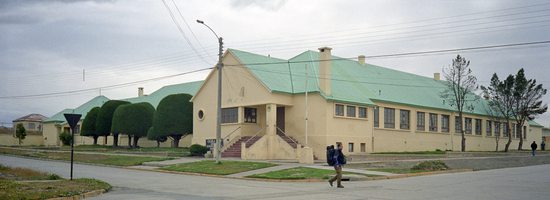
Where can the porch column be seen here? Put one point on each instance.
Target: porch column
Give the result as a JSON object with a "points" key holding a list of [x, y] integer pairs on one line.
{"points": [[271, 119]]}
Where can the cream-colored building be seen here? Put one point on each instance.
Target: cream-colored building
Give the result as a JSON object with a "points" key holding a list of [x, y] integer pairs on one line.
{"points": [[365, 107], [31, 122], [57, 124]]}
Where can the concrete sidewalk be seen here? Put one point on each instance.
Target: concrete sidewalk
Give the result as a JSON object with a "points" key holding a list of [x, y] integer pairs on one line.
{"points": [[359, 171]]}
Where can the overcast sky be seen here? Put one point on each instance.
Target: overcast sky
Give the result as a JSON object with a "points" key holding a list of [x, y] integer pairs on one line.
{"points": [[46, 45]]}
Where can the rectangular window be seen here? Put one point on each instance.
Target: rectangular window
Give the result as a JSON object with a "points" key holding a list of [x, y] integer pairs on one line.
{"points": [[339, 110], [433, 122], [376, 116], [362, 112], [468, 125], [389, 118], [250, 115], [458, 125], [350, 147], [350, 111], [445, 123], [497, 129], [488, 127], [478, 126], [230, 115], [31, 126], [420, 121], [363, 147], [404, 119]]}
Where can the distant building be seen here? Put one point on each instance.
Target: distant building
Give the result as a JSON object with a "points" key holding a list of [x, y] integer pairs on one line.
{"points": [[31, 122]]}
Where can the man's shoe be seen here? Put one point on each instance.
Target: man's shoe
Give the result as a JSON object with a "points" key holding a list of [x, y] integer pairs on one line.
{"points": [[330, 183], [340, 186]]}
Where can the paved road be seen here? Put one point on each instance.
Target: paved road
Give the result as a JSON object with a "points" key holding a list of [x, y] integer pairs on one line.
{"points": [[512, 183]]}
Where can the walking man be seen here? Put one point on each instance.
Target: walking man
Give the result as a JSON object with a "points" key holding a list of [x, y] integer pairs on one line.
{"points": [[533, 147], [339, 160]]}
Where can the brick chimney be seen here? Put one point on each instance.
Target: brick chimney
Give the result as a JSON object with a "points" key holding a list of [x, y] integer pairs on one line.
{"points": [[325, 69], [361, 59], [140, 91], [437, 76]]}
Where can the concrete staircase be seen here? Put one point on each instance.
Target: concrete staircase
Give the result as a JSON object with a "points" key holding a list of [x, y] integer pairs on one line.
{"points": [[290, 140], [235, 149]]}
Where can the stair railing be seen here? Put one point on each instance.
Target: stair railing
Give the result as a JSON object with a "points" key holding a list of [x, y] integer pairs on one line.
{"points": [[284, 134], [229, 142], [257, 132]]}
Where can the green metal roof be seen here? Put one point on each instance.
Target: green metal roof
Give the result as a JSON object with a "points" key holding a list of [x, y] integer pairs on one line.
{"points": [[351, 82], [82, 109], [534, 123], [155, 97]]}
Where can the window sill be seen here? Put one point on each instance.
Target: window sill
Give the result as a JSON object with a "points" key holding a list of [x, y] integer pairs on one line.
{"points": [[355, 118], [392, 129]]}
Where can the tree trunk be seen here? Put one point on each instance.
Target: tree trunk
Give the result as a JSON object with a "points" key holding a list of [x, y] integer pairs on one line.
{"points": [[129, 141], [95, 139], [105, 142], [509, 137], [176, 141], [520, 135], [497, 140], [136, 138], [463, 144], [158, 144], [115, 139]]}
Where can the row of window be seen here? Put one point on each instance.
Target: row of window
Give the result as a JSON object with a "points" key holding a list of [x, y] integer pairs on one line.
{"points": [[342, 110], [231, 115], [404, 123], [351, 148]]}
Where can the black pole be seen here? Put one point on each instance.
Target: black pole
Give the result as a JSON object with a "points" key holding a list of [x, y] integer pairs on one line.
{"points": [[72, 151], [72, 120]]}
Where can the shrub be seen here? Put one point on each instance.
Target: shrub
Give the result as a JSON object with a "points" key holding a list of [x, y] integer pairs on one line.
{"points": [[54, 177], [198, 150], [434, 165], [66, 138]]}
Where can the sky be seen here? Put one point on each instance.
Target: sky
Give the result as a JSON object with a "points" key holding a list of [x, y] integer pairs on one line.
{"points": [[74, 48]]}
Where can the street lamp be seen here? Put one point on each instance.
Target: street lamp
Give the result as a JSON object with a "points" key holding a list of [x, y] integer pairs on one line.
{"points": [[219, 66]]}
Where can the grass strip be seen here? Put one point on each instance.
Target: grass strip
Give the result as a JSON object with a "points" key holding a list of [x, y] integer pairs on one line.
{"points": [[224, 168], [116, 160], [299, 173], [10, 189]]}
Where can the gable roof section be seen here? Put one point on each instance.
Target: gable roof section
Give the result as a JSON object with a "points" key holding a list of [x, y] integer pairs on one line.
{"points": [[82, 109], [154, 98], [351, 82], [32, 118]]}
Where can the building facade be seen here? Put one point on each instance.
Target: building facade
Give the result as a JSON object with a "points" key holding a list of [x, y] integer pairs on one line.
{"points": [[365, 107]]}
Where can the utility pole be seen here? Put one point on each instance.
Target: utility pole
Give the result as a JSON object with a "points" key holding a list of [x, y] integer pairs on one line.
{"points": [[219, 67]]}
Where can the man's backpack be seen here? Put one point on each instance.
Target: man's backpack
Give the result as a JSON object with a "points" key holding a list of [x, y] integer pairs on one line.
{"points": [[330, 155]]}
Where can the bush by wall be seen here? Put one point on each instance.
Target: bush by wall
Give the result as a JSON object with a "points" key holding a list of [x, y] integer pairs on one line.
{"points": [[198, 150]]}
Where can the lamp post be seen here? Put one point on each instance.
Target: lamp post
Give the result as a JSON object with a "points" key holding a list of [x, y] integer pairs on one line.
{"points": [[219, 66]]}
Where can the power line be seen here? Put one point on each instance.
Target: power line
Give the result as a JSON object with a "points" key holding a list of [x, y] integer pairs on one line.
{"points": [[189, 27], [182, 32], [408, 53], [72, 92]]}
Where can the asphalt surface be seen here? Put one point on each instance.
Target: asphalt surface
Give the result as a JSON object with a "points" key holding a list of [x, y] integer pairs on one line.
{"points": [[530, 182]]}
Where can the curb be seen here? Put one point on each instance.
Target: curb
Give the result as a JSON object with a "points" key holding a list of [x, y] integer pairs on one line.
{"points": [[81, 196]]}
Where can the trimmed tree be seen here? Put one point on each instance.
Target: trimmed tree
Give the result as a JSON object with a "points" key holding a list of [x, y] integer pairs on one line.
{"points": [[89, 124], [105, 118], [461, 84], [151, 135], [527, 102], [20, 133], [173, 118], [134, 120]]}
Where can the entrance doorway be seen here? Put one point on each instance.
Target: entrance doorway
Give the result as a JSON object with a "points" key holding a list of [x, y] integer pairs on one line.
{"points": [[280, 120]]}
